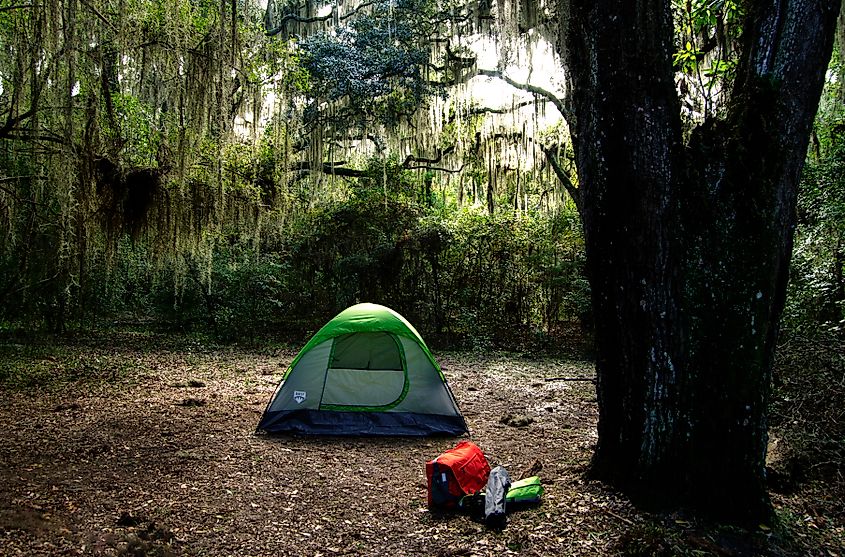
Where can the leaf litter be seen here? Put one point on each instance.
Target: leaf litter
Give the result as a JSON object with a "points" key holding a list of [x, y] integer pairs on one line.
{"points": [[127, 464]]}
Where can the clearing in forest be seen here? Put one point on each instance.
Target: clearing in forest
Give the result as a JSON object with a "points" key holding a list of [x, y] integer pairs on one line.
{"points": [[144, 446]]}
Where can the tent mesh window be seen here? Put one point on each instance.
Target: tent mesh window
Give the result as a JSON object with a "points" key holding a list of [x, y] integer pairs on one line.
{"points": [[367, 371]]}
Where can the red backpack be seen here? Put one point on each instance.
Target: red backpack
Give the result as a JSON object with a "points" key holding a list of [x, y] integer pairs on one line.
{"points": [[460, 471]]}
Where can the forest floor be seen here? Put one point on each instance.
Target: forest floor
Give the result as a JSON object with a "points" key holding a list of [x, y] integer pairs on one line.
{"points": [[142, 445]]}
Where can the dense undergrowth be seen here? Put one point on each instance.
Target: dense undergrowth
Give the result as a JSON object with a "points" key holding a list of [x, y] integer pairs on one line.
{"points": [[807, 417], [460, 275]]}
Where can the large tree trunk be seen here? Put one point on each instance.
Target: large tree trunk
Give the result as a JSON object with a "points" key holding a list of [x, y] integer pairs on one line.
{"points": [[688, 246]]}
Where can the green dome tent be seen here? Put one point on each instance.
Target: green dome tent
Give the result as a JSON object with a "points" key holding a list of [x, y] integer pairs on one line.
{"points": [[366, 372]]}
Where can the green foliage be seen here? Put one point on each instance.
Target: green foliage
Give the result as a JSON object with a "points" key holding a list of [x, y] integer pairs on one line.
{"points": [[348, 251], [806, 408], [149, 194], [704, 26], [385, 178], [374, 64], [464, 274], [816, 296], [137, 130], [248, 294], [817, 280], [707, 38]]}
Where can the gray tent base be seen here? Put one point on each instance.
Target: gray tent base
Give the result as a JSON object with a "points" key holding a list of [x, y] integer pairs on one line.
{"points": [[317, 422]]}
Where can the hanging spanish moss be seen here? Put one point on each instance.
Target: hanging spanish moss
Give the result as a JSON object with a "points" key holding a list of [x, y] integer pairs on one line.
{"points": [[445, 132], [184, 128]]}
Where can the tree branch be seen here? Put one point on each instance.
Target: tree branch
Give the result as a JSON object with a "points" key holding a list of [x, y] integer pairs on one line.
{"points": [[14, 7], [37, 87], [100, 16], [329, 168], [337, 169], [440, 153], [35, 137], [464, 61], [488, 110], [437, 168], [548, 95], [562, 175], [299, 19], [11, 122]]}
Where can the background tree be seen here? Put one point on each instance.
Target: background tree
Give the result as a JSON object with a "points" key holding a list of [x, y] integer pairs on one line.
{"points": [[688, 242], [158, 156]]}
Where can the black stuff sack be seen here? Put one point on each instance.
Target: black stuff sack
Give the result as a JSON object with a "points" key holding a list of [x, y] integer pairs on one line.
{"points": [[498, 484]]}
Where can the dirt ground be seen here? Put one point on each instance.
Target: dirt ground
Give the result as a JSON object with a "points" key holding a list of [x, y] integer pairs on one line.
{"points": [[145, 446]]}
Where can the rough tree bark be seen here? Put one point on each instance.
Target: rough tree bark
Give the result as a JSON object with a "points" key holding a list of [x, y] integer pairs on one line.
{"points": [[688, 244]]}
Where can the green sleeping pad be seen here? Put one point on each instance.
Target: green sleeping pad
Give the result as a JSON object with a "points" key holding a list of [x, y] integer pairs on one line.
{"points": [[528, 490]]}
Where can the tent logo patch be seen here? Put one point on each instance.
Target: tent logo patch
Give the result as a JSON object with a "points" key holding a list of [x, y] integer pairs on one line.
{"points": [[299, 396]]}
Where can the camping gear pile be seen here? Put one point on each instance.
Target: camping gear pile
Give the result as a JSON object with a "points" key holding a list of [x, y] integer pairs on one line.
{"points": [[368, 372], [456, 478]]}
